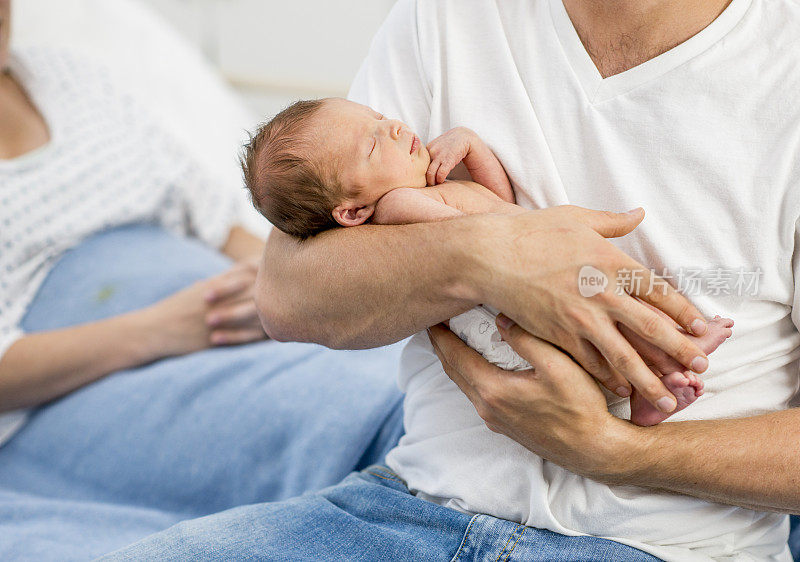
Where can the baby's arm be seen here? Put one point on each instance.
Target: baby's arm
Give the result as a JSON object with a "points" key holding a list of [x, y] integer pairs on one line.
{"points": [[462, 144], [408, 205]]}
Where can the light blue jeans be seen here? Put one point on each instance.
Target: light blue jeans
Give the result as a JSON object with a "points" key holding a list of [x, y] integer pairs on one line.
{"points": [[369, 517]]}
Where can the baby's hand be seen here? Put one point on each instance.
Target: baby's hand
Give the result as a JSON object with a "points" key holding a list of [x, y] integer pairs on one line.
{"points": [[446, 151], [462, 144]]}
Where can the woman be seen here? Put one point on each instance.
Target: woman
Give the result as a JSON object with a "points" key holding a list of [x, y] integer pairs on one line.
{"points": [[128, 398]]}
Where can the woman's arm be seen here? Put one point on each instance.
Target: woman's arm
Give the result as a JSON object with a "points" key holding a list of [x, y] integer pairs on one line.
{"points": [[42, 366], [242, 244]]}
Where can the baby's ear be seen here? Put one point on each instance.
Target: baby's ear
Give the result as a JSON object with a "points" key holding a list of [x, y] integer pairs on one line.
{"points": [[348, 214]]}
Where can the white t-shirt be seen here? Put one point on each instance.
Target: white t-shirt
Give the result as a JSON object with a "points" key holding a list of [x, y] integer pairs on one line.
{"points": [[107, 164], [706, 137]]}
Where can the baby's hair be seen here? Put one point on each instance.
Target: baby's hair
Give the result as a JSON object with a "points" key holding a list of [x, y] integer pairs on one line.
{"points": [[293, 192]]}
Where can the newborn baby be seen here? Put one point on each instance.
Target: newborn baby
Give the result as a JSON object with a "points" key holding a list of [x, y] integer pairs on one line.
{"points": [[326, 163]]}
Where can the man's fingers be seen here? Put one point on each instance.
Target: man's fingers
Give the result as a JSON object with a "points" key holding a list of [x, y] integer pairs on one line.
{"points": [[596, 365], [652, 354], [630, 365], [622, 357], [661, 333], [609, 224], [540, 354], [657, 292], [458, 359]]}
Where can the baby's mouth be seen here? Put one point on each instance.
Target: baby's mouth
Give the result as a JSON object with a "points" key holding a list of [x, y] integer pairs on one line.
{"points": [[414, 145]]}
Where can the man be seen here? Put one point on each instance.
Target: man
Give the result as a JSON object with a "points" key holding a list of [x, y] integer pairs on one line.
{"points": [[686, 108]]}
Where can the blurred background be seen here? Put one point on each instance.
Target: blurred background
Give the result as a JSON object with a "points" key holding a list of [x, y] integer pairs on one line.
{"points": [[275, 51], [212, 69]]}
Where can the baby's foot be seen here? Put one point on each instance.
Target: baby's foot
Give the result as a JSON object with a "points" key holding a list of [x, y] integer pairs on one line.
{"points": [[719, 329], [687, 387]]}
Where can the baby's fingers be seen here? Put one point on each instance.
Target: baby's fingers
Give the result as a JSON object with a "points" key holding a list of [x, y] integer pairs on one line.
{"points": [[432, 172]]}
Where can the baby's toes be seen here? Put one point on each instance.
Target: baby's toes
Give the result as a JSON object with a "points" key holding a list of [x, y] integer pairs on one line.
{"points": [[696, 381], [676, 381]]}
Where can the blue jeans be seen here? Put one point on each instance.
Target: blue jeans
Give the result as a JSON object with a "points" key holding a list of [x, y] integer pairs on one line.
{"points": [[370, 516]]}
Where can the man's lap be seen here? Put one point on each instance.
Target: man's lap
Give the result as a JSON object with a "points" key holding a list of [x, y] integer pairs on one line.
{"points": [[370, 516]]}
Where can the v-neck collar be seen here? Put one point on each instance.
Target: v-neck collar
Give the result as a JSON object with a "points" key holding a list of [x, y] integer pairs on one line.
{"points": [[599, 89]]}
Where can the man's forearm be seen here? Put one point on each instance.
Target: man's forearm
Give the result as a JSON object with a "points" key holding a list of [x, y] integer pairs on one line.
{"points": [[750, 462], [365, 286]]}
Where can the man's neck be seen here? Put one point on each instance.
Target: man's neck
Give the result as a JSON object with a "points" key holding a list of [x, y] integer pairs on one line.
{"points": [[621, 34]]}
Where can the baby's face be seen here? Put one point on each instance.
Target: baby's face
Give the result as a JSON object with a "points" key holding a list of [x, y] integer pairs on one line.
{"points": [[372, 155]]}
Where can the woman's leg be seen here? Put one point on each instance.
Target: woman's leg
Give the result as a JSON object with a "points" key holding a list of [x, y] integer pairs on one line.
{"points": [[45, 529], [199, 433], [210, 431]]}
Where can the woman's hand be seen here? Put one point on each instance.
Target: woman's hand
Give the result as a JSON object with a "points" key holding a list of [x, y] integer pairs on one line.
{"points": [[232, 316], [556, 410], [534, 277], [215, 311]]}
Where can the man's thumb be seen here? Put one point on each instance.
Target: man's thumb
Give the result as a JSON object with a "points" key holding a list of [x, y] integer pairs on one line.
{"points": [[613, 225]]}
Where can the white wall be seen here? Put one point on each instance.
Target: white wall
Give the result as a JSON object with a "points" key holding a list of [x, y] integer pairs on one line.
{"points": [[276, 51]]}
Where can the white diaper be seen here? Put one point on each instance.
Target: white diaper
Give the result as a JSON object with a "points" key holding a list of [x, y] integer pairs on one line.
{"points": [[478, 330]]}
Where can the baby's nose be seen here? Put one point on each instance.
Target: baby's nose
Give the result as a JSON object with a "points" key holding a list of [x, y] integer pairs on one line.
{"points": [[395, 129]]}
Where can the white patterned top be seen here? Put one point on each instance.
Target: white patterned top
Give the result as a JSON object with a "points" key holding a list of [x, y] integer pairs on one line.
{"points": [[108, 163]]}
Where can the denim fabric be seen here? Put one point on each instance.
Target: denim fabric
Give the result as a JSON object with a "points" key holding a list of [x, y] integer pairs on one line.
{"points": [[140, 450], [794, 537], [370, 516]]}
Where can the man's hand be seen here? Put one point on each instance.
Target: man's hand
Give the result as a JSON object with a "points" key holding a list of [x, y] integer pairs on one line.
{"points": [[529, 269], [556, 410]]}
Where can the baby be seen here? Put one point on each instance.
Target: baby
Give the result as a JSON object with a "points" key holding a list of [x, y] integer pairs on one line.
{"points": [[327, 163]]}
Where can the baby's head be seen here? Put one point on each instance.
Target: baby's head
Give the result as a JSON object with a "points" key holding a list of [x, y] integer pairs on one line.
{"points": [[324, 163]]}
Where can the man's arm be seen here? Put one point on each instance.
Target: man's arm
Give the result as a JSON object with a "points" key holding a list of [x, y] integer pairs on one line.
{"points": [[364, 286], [750, 462]]}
